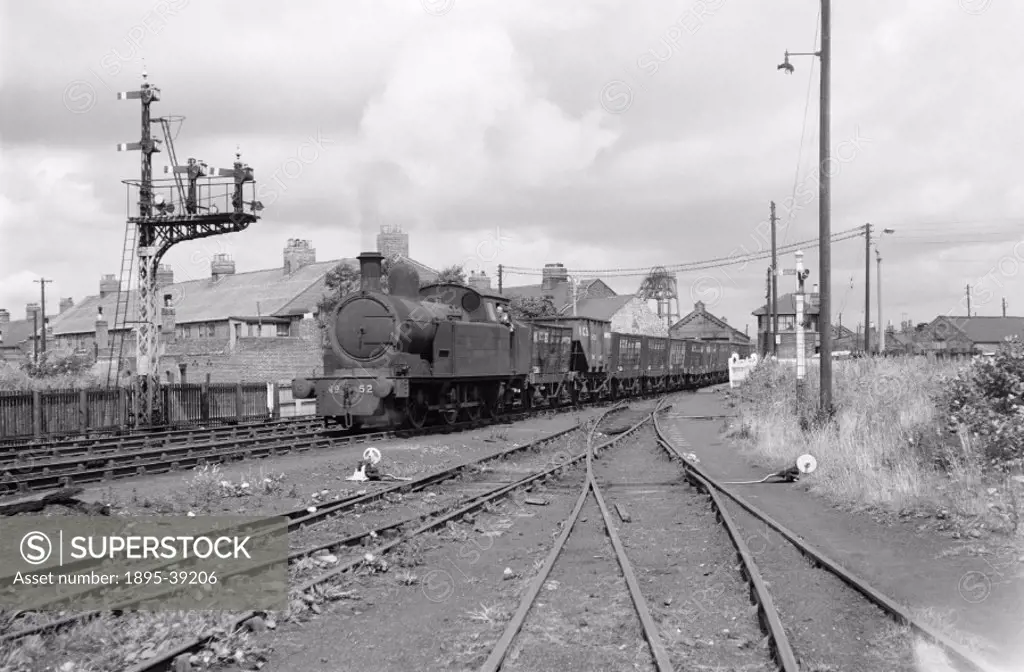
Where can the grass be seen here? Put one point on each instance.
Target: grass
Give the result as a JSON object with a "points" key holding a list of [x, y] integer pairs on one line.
{"points": [[890, 446]]}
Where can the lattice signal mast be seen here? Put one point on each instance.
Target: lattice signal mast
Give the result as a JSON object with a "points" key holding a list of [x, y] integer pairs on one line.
{"points": [[660, 285], [168, 214]]}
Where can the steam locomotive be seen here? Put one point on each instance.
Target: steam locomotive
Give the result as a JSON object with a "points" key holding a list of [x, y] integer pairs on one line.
{"points": [[447, 353]]}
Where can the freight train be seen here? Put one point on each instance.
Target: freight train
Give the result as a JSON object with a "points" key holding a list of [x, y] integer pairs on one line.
{"points": [[446, 353]]}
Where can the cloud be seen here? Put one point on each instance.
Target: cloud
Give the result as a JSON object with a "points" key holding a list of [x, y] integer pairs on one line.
{"points": [[489, 115]]}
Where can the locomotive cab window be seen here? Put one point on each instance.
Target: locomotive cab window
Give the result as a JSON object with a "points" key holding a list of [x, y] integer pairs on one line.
{"points": [[491, 315]]}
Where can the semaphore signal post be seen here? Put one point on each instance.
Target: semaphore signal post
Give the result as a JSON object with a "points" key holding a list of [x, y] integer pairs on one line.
{"points": [[213, 203]]}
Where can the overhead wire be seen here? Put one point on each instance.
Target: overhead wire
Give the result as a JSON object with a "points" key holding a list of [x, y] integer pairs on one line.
{"points": [[706, 264]]}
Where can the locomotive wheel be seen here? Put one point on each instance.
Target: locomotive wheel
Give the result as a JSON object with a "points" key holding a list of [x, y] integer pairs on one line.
{"points": [[474, 396], [416, 410], [492, 401]]}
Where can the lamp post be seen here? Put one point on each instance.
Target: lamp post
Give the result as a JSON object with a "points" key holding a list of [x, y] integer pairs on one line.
{"points": [[881, 324], [824, 205]]}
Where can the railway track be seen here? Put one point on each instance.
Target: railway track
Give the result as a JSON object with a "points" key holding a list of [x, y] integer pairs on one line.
{"points": [[78, 463], [10, 448], [756, 635], [389, 530]]}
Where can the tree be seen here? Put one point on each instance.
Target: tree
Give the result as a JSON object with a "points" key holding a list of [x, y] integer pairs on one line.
{"points": [[453, 273], [528, 307], [339, 281]]}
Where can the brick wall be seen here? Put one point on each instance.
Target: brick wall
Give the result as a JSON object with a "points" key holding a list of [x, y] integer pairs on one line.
{"points": [[702, 327], [250, 360], [597, 290], [636, 317]]}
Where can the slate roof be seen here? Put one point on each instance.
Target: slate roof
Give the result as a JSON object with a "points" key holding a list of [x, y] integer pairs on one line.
{"points": [[16, 331], [787, 306], [562, 293], [598, 309], [722, 324], [265, 293], [990, 329]]}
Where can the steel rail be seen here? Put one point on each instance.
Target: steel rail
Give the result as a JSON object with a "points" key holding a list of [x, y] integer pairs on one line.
{"points": [[661, 658], [819, 559], [501, 648], [769, 615], [99, 436], [297, 519], [76, 472], [165, 661]]}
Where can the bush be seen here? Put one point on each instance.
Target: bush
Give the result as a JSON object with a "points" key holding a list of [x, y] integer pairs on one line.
{"points": [[987, 400], [54, 371]]}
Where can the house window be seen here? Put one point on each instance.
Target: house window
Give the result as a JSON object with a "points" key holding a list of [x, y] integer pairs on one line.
{"points": [[181, 369], [282, 329], [211, 329], [787, 322], [254, 330]]}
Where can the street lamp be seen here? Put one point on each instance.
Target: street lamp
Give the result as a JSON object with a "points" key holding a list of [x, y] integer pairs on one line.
{"points": [[824, 206], [881, 324]]}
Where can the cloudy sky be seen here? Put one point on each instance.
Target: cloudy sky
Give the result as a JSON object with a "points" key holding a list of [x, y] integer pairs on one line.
{"points": [[597, 133]]}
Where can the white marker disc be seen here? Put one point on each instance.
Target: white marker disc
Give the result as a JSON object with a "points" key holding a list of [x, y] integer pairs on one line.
{"points": [[373, 455], [806, 464]]}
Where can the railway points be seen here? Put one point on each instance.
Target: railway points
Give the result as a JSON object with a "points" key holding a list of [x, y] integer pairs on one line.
{"points": [[300, 519]]}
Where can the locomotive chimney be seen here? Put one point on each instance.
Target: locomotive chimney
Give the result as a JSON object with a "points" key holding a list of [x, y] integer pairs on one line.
{"points": [[369, 271]]}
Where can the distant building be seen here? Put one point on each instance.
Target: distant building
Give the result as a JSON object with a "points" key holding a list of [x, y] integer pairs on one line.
{"points": [[251, 326], [628, 313], [788, 326], [701, 324], [949, 335], [16, 335], [393, 241]]}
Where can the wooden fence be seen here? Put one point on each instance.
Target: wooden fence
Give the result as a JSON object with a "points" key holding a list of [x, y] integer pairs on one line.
{"points": [[53, 413]]}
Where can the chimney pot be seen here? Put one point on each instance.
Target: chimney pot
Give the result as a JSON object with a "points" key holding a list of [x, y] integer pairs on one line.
{"points": [[220, 265], [297, 254], [164, 275], [5, 316], [109, 284]]}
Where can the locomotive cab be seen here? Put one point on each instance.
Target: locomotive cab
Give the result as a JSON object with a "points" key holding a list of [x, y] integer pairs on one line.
{"points": [[476, 306]]}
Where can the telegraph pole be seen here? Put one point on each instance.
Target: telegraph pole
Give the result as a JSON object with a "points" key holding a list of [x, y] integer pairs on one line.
{"points": [[824, 206], [769, 332], [1004, 306], [881, 325], [867, 289], [824, 214], [968, 300], [501, 272], [42, 288], [774, 289]]}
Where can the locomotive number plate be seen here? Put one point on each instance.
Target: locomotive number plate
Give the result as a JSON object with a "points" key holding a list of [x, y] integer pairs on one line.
{"points": [[361, 388]]}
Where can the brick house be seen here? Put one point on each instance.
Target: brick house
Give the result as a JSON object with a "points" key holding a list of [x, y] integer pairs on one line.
{"points": [[16, 336], [627, 313], [951, 335], [555, 285], [787, 326], [256, 326], [700, 324]]}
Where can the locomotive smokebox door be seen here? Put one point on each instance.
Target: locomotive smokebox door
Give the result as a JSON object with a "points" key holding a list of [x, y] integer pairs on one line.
{"points": [[367, 328]]}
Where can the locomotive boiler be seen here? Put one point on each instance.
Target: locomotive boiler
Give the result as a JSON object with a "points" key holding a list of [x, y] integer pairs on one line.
{"points": [[406, 354]]}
